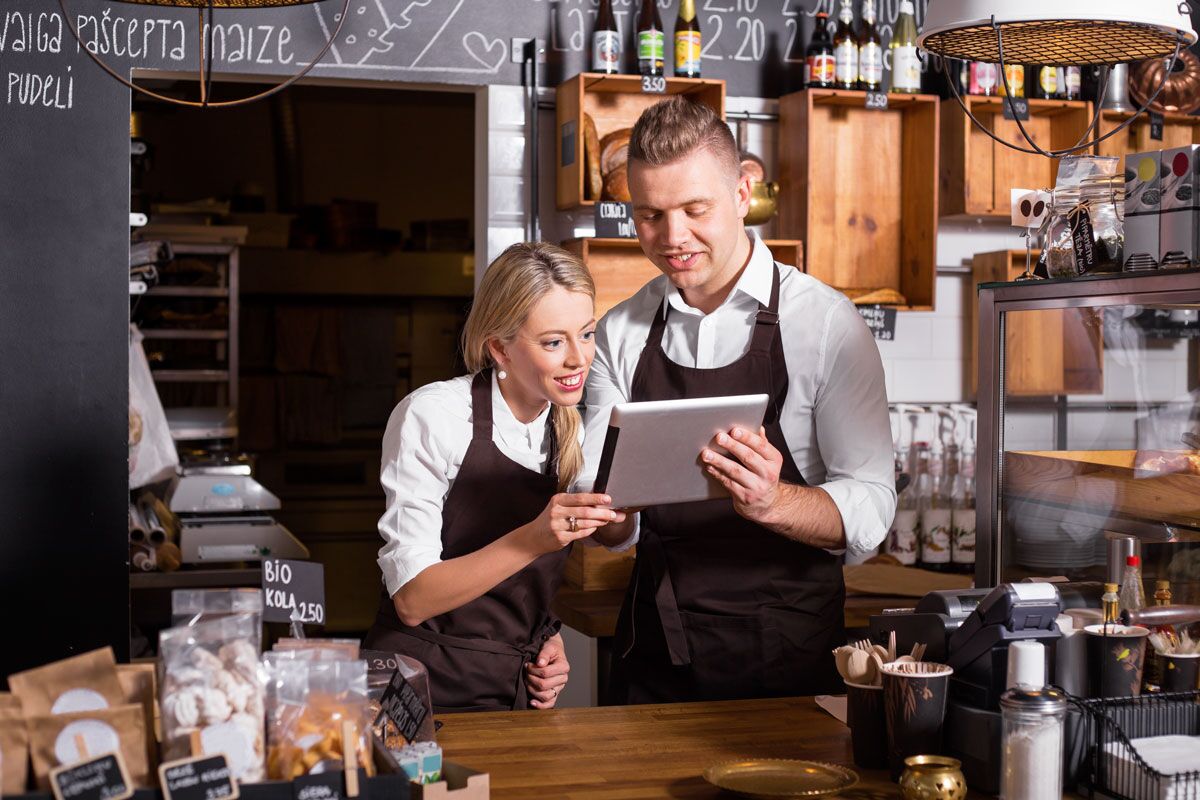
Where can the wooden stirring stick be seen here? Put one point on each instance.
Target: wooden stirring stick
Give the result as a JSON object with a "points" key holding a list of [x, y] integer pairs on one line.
{"points": [[350, 757]]}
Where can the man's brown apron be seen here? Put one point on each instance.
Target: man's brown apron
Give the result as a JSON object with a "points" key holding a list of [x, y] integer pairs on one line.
{"points": [[719, 607], [476, 654]]}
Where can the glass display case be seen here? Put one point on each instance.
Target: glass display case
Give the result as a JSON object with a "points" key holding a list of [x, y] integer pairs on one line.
{"points": [[1089, 429]]}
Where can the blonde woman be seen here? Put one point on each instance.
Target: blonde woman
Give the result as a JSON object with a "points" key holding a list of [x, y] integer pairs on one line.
{"points": [[476, 471]]}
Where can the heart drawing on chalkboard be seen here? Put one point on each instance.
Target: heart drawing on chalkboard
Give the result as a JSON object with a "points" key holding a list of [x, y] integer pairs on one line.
{"points": [[490, 54]]}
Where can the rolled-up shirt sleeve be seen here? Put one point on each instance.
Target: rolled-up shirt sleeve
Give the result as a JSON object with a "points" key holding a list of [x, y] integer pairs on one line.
{"points": [[850, 416], [415, 473]]}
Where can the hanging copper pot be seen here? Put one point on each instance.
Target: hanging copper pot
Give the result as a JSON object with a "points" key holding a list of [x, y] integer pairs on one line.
{"points": [[1181, 95]]}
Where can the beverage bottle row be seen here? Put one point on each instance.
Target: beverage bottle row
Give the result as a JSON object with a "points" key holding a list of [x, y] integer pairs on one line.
{"points": [[854, 59], [650, 41], [1046, 81], [934, 527]]}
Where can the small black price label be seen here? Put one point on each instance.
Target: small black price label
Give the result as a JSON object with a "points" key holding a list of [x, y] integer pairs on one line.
{"points": [[654, 84], [881, 321], [403, 706], [100, 778], [293, 591], [1015, 108], [1156, 126], [327, 786], [568, 143], [1083, 240], [200, 778], [877, 101], [614, 220]]}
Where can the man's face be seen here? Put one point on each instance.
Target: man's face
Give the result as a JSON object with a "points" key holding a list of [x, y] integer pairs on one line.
{"points": [[689, 218]]}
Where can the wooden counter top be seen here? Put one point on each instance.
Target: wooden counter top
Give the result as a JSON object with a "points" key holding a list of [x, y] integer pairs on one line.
{"points": [[645, 751]]}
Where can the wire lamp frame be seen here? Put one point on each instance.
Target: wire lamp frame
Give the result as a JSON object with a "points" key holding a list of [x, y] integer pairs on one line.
{"points": [[1064, 42], [205, 10]]}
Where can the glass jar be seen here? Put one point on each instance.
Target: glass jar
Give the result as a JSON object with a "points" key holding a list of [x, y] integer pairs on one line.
{"points": [[1031, 765], [1077, 247]]}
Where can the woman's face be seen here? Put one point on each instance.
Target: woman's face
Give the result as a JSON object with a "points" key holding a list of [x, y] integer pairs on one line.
{"points": [[549, 358]]}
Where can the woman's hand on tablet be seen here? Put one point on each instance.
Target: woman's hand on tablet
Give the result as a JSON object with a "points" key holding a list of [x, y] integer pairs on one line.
{"points": [[568, 517], [751, 476]]}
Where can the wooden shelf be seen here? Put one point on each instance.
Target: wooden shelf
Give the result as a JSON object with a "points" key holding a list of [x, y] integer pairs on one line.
{"points": [[1048, 352], [613, 102], [267, 270], [620, 268], [190, 375], [188, 291], [1179, 130], [859, 187], [184, 333], [978, 174]]}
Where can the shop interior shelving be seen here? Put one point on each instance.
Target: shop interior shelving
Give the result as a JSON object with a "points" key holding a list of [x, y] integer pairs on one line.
{"points": [[977, 174], [1055, 352], [619, 267], [613, 102], [1179, 130], [860, 189]]}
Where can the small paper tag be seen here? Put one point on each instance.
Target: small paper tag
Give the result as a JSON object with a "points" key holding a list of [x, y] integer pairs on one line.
{"points": [[614, 220], [403, 706], [200, 778], [100, 778], [1083, 240], [1015, 108], [881, 321], [877, 101], [568, 143]]}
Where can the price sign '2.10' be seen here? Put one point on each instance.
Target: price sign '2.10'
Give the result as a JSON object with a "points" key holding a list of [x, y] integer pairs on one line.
{"points": [[293, 591]]}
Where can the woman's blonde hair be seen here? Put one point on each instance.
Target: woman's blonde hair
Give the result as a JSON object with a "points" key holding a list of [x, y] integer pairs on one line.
{"points": [[512, 285]]}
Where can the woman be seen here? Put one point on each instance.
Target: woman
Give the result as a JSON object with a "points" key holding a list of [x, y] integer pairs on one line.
{"points": [[476, 472]]}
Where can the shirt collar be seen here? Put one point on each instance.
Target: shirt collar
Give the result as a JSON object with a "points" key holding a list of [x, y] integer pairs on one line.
{"points": [[512, 430], [754, 282]]}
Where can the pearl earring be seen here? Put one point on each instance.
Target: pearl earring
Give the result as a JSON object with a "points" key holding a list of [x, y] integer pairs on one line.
{"points": [[501, 375]]}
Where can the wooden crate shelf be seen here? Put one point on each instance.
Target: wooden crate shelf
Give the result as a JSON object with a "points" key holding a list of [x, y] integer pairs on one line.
{"points": [[613, 102], [1179, 130], [1048, 352], [860, 188], [978, 174], [620, 268]]}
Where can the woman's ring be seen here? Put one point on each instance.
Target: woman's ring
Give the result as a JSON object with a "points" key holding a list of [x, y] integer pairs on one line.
{"points": [[572, 524]]}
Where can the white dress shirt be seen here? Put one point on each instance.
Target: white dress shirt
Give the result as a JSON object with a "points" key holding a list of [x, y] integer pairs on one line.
{"points": [[423, 448], [835, 417]]}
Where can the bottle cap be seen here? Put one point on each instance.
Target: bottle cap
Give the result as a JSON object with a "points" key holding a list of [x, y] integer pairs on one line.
{"points": [[1160, 585], [1133, 561], [1110, 588]]}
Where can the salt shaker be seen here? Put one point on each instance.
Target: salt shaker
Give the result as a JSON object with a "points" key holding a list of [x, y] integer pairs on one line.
{"points": [[1032, 757]]}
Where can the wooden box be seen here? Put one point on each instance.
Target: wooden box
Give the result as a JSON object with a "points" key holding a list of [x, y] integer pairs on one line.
{"points": [[597, 568], [859, 187], [978, 174], [620, 268], [458, 783], [1048, 352], [1179, 130], [613, 102]]}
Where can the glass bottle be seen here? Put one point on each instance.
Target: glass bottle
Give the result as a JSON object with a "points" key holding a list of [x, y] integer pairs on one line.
{"points": [[1133, 594], [1031, 760], [1162, 593], [820, 66], [1047, 82], [650, 39], [606, 41], [870, 52], [1015, 74], [1072, 79], [935, 514], [903, 537], [688, 41], [962, 546], [845, 49], [984, 77], [1110, 601], [906, 64]]}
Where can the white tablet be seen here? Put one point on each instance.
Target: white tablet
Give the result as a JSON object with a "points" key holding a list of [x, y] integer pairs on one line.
{"points": [[652, 450]]}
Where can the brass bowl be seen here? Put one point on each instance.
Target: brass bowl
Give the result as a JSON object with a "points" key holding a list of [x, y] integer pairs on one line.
{"points": [[932, 778], [764, 202]]}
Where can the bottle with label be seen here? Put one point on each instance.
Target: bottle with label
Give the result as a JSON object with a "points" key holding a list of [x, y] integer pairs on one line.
{"points": [[906, 64], [820, 65], [1047, 83], [1110, 601], [651, 41], [936, 513], [606, 41], [984, 78], [1072, 78], [903, 540], [962, 545], [845, 49], [688, 41], [1015, 73], [1133, 594], [870, 52]]}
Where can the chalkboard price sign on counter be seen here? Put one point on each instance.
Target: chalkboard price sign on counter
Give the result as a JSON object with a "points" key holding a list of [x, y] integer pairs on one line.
{"points": [[201, 778], [101, 778], [293, 591]]}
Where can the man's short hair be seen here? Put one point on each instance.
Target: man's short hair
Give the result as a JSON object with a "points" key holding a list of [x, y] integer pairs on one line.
{"points": [[675, 128]]}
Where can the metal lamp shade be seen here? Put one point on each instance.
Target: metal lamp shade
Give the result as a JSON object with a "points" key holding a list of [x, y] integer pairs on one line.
{"points": [[1056, 32]]}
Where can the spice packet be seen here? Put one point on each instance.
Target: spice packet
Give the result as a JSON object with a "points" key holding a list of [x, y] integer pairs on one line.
{"points": [[14, 747], [53, 741], [85, 682], [381, 665], [308, 701], [141, 687], [339, 649], [212, 683], [192, 606]]}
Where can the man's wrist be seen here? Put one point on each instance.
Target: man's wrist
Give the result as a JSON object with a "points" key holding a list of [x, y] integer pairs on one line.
{"points": [[774, 515]]}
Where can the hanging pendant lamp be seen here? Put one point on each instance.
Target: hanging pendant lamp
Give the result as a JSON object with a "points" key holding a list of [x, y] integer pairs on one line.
{"points": [[1056, 33], [205, 9]]}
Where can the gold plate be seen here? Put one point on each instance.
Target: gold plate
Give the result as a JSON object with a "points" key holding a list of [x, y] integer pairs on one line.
{"points": [[771, 778]]}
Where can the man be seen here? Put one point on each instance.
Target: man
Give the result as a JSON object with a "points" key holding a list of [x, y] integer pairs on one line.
{"points": [[739, 597]]}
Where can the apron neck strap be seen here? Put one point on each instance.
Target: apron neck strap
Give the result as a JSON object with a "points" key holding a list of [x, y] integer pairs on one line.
{"points": [[481, 404]]}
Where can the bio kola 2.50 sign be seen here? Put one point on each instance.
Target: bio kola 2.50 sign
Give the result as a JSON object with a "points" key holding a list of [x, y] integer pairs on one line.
{"points": [[293, 591]]}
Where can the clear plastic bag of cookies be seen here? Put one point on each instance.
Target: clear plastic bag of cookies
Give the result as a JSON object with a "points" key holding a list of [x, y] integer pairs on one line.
{"points": [[212, 682]]}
